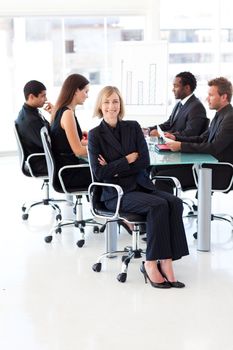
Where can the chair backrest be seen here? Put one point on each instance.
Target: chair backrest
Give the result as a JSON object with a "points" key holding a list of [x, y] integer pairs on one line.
{"points": [[222, 176], [21, 152], [46, 141], [29, 163], [98, 207], [56, 178]]}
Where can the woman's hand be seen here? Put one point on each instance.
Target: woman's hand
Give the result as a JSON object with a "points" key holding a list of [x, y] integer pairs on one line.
{"points": [[132, 157], [101, 160], [84, 135], [84, 142]]}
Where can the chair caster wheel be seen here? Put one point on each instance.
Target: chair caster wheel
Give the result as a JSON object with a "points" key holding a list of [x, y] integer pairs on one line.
{"points": [[58, 230], [48, 239], [122, 277], [80, 243], [97, 267], [24, 209], [58, 217], [25, 216], [194, 207], [96, 229], [195, 235]]}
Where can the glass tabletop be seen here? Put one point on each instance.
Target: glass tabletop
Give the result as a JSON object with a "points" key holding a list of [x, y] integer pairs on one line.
{"points": [[171, 158]]}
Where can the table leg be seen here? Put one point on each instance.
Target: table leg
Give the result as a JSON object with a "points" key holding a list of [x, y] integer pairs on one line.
{"points": [[111, 237], [204, 208]]}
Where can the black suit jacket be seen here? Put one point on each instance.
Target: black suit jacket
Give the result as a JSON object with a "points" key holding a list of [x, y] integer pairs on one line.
{"points": [[191, 120], [118, 171], [29, 124], [217, 140]]}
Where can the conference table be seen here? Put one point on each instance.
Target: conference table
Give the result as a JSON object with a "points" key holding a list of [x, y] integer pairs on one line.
{"points": [[203, 188]]}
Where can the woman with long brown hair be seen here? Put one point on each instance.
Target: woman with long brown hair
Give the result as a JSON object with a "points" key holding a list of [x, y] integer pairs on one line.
{"points": [[68, 141]]}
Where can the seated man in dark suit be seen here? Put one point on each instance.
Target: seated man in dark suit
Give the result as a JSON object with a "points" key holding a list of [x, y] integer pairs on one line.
{"points": [[30, 121], [217, 140], [188, 117]]}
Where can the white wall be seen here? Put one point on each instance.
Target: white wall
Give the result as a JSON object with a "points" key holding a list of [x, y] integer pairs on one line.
{"points": [[148, 8], [85, 6]]}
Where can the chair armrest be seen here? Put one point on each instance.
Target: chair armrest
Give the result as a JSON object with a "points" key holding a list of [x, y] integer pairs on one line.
{"points": [[29, 158], [210, 165], [176, 182], [74, 166], [119, 196]]}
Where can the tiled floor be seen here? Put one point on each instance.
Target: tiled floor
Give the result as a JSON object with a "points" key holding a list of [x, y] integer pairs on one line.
{"points": [[50, 299]]}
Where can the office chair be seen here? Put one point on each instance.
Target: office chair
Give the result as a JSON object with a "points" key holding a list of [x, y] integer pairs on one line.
{"points": [[60, 187], [27, 170], [222, 181], [138, 221]]}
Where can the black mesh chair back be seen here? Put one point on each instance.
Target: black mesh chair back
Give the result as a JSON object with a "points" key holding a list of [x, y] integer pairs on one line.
{"points": [[51, 165]]}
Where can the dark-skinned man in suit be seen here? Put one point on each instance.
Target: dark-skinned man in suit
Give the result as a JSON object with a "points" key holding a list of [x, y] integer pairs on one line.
{"points": [[188, 117]]}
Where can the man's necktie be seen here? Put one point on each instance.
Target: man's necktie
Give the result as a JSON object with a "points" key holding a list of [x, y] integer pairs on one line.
{"points": [[212, 128], [179, 106]]}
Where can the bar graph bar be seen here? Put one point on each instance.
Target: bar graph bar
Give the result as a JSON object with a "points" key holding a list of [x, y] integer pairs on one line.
{"points": [[128, 99], [140, 93], [152, 84]]}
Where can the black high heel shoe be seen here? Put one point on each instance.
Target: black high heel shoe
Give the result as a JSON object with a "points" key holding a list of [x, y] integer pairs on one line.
{"points": [[175, 284], [126, 227], [163, 285]]}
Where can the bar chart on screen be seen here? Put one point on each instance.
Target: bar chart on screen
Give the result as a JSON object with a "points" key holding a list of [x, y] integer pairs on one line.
{"points": [[140, 69]]}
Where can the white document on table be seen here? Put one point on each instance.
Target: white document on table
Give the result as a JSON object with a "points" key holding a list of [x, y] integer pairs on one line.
{"points": [[161, 134]]}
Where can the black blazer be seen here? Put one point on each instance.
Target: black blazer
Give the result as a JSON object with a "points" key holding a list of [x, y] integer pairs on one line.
{"points": [[118, 171], [29, 123], [191, 120], [217, 140]]}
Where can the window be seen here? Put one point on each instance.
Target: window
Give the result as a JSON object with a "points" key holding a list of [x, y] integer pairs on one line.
{"points": [[49, 49], [200, 40]]}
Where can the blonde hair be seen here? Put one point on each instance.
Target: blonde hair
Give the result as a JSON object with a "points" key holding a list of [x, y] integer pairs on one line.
{"points": [[106, 92]]}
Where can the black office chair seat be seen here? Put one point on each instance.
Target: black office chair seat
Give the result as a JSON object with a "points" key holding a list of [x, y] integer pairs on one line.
{"points": [[129, 217]]}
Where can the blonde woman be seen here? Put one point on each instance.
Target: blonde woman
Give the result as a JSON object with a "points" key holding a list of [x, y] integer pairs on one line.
{"points": [[119, 154]]}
